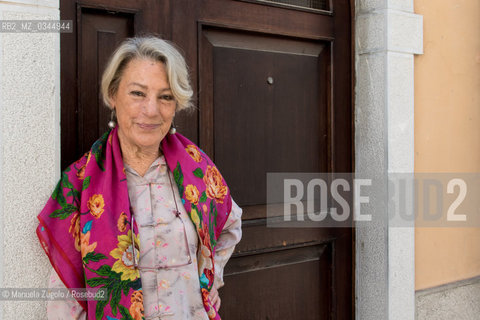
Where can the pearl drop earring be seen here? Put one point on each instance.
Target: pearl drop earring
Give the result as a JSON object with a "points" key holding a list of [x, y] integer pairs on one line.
{"points": [[112, 123], [172, 130]]}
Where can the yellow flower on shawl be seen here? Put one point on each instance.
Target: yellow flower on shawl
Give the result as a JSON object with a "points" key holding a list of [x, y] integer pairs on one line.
{"points": [[124, 255], [192, 194], [75, 230], [194, 152], [96, 204], [215, 187], [136, 308], [194, 216], [86, 246]]}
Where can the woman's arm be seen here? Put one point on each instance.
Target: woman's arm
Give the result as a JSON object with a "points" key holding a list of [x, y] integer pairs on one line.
{"points": [[229, 237], [62, 309]]}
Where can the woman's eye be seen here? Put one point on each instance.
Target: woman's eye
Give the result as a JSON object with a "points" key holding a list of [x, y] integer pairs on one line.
{"points": [[166, 97], [137, 93]]}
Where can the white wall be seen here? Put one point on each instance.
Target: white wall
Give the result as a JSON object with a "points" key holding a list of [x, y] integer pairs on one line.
{"points": [[30, 148], [387, 35]]}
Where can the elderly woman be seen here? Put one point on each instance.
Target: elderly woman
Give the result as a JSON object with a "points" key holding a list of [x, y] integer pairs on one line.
{"points": [[144, 215]]}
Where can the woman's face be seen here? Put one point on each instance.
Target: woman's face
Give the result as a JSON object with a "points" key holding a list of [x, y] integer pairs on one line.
{"points": [[144, 104]]}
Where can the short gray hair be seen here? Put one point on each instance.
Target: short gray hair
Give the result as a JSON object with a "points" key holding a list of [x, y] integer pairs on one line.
{"points": [[154, 48]]}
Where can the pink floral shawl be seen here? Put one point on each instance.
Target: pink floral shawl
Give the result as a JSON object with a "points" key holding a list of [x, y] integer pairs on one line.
{"points": [[86, 232]]}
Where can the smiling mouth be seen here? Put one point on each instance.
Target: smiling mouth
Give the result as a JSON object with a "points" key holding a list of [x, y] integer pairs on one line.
{"points": [[148, 126]]}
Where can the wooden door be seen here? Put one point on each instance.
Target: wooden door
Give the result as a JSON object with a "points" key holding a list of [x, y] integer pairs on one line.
{"points": [[273, 89], [274, 85]]}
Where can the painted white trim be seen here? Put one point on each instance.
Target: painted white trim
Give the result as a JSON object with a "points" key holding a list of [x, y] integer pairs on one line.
{"points": [[388, 35], [389, 30]]}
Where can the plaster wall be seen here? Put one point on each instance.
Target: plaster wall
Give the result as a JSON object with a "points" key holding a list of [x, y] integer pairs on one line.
{"points": [[30, 148]]}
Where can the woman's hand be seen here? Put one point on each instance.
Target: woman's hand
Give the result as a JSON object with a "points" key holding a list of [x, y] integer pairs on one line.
{"points": [[215, 298]]}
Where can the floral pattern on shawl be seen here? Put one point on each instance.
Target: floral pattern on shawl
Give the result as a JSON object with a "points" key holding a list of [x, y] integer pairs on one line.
{"points": [[86, 232]]}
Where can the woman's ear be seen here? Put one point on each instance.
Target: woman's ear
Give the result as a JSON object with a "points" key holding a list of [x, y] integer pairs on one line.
{"points": [[111, 103]]}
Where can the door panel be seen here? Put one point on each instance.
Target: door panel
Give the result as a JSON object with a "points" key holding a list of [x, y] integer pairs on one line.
{"points": [[280, 284], [265, 89], [100, 34]]}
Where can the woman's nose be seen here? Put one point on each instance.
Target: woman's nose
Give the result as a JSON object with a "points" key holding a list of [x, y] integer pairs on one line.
{"points": [[151, 106]]}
